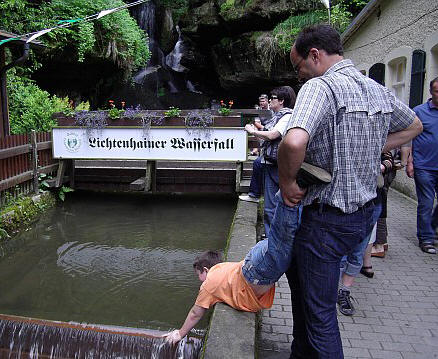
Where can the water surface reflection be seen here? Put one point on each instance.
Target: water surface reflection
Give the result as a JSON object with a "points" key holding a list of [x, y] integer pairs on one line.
{"points": [[114, 259]]}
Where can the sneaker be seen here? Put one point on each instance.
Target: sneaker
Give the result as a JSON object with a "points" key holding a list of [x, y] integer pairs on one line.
{"points": [[310, 174], [248, 198], [344, 302]]}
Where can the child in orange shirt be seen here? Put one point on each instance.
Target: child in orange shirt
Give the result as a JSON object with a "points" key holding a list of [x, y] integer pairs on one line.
{"points": [[249, 285]]}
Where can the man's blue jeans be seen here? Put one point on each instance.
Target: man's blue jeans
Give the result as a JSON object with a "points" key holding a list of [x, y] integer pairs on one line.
{"points": [[267, 261], [271, 187], [325, 235], [256, 184], [426, 184]]}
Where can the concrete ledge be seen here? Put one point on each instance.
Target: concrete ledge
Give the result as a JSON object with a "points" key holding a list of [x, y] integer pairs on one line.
{"points": [[232, 332]]}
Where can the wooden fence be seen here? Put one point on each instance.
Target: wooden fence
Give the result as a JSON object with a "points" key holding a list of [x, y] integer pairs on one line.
{"points": [[22, 159]]}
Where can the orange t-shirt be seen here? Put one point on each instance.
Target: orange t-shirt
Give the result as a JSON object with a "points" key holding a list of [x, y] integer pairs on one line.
{"points": [[225, 283]]}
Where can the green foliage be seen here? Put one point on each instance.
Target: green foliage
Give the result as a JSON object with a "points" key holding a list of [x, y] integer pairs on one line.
{"points": [[286, 32], [225, 109], [232, 9], [226, 7], [161, 92], [267, 49], [44, 187], [178, 7], [115, 36], [340, 17], [353, 6], [21, 213], [115, 113], [62, 191], [31, 108], [172, 112]]}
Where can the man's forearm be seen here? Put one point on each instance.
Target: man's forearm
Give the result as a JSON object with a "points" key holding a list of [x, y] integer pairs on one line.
{"points": [[396, 139], [291, 155], [192, 319]]}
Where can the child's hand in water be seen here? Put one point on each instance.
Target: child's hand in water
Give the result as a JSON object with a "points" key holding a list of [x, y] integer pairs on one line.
{"points": [[173, 337]]}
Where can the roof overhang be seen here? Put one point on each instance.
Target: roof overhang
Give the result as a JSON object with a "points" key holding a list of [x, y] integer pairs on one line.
{"points": [[363, 16]]}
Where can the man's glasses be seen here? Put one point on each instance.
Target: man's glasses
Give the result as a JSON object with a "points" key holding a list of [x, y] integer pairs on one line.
{"points": [[297, 66], [273, 97]]}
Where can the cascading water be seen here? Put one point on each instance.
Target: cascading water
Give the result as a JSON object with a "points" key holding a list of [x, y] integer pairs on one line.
{"points": [[33, 339], [164, 81]]}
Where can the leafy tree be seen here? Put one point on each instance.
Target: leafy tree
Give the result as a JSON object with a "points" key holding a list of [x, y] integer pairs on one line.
{"points": [[116, 36], [31, 108]]}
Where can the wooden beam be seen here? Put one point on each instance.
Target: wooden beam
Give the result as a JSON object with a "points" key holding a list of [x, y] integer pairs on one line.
{"points": [[33, 144], [13, 181], [4, 125], [61, 171], [239, 167], [2, 95], [138, 185]]}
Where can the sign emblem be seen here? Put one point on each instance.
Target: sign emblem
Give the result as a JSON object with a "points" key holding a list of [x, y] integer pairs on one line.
{"points": [[72, 142]]}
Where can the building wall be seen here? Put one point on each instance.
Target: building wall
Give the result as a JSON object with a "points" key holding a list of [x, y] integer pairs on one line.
{"points": [[390, 35], [401, 23]]}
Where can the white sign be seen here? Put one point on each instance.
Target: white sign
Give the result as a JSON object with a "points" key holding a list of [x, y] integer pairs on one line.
{"points": [[213, 144]]}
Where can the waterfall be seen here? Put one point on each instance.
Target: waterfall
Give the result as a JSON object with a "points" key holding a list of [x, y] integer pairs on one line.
{"points": [[164, 82], [33, 339], [173, 60]]}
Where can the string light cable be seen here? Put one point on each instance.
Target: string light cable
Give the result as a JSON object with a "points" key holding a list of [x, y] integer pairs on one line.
{"points": [[31, 36]]}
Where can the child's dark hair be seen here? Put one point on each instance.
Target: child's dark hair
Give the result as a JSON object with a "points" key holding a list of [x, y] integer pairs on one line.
{"points": [[207, 259]]}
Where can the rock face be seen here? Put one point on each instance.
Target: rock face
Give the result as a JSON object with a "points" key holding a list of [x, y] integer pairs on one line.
{"points": [[232, 46], [221, 49]]}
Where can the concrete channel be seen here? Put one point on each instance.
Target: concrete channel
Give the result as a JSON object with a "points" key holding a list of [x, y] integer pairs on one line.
{"points": [[232, 333]]}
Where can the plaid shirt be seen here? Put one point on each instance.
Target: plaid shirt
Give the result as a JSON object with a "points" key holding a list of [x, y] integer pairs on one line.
{"points": [[348, 117]]}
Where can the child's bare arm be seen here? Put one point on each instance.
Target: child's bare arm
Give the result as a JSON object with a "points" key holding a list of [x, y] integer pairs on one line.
{"points": [[192, 319]]}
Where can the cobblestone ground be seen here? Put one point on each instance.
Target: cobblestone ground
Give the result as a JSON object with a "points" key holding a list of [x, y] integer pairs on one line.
{"points": [[396, 311]]}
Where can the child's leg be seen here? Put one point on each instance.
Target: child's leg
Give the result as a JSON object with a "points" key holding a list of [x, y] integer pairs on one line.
{"points": [[269, 259]]}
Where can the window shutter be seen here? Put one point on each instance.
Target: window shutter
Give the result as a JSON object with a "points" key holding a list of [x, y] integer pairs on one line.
{"points": [[417, 78], [377, 73]]}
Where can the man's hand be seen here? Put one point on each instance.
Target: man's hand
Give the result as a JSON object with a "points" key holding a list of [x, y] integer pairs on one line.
{"points": [[249, 128], [410, 169], [292, 193], [173, 337]]}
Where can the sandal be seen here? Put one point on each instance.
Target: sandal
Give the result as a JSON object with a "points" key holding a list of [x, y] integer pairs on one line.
{"points": [[374, 253], [428, 248], [365, 270]]}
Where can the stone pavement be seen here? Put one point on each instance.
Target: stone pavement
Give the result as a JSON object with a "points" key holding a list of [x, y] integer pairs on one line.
{"points": [[396, 311]]}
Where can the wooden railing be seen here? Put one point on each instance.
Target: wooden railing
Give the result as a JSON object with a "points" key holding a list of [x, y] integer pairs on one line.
{"points": [[22, 159]]}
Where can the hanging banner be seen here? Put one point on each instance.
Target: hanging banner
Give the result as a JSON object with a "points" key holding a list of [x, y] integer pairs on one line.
{"points": [[212, 144]]}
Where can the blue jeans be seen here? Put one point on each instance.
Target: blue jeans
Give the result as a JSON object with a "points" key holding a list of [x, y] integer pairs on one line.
{"points": [[267, 261], [325, 235], [426, 184], [351, 264], [256, 184], [271, 187]]}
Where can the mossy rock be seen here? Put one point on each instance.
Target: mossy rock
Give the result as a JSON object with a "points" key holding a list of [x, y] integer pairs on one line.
{"points": [[23, 212]]}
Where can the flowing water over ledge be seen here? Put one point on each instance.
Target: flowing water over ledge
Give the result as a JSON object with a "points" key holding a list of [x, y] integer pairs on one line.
{"points": [[114, 259]]}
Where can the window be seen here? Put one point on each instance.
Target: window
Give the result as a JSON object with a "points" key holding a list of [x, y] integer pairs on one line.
{"points": [[431, 49], [398, 72]]}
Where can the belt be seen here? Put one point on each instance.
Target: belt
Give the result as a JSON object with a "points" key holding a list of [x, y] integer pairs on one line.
{"points": [[323, 207]]}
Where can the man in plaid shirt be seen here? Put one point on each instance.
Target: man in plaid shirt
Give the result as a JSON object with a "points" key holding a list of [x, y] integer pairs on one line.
{"points": [[342, 121]]}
